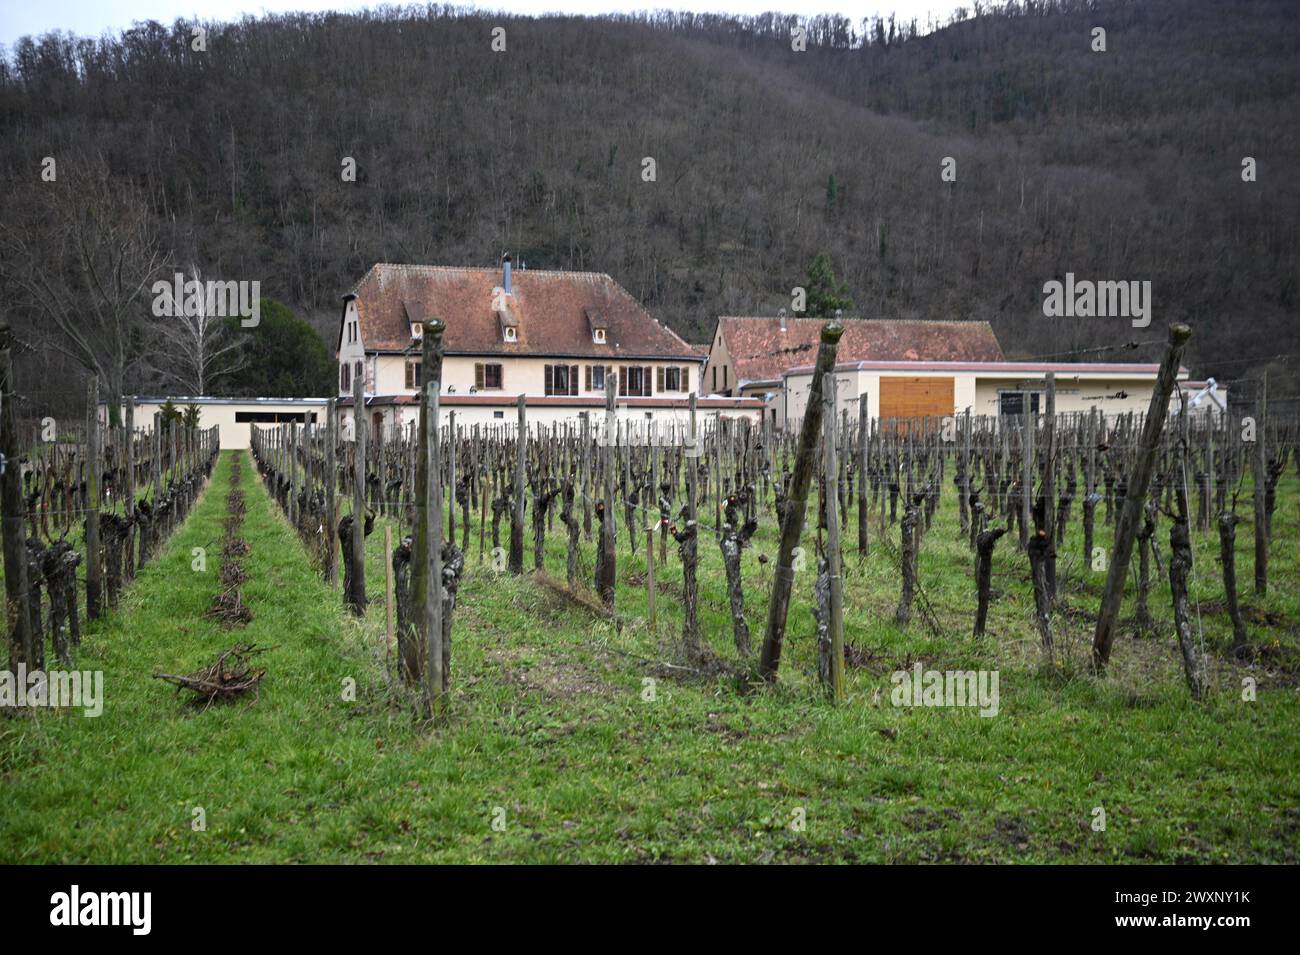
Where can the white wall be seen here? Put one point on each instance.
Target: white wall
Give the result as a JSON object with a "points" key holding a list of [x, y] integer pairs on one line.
{"points": [[234, 434]]}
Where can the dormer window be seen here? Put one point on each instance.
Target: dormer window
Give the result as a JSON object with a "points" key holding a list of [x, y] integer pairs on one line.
{"points": [[597, 323], [511, 333], [417, 331]]}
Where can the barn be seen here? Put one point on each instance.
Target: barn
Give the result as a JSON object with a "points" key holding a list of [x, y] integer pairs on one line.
{"points": [[750, 356], [916, 389]]}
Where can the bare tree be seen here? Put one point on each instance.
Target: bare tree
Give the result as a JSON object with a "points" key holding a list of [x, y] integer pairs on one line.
{"points": [[195, 348], [81, 256]]}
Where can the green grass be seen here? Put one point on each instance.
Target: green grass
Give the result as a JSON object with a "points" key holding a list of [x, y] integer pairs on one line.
{"points": [[549, 729]]}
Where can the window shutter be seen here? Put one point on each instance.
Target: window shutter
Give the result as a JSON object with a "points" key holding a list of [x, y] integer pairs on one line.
{"points": [[573, 379], [501, 376], [659, 378], [549, 387], [587, 378], [686, 378], [618, 381], [410, 375], [646, 380], [478, 375]]}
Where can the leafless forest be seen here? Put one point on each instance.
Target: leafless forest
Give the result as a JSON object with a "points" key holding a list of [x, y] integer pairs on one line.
{"points": [[1125, 163]]}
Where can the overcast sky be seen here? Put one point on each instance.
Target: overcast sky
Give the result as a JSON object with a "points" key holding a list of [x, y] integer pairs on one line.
{"points": [[93, 17]]}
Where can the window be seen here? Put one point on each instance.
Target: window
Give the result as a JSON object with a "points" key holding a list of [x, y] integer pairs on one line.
{"points": [[669, 379], [417, 331], [511, 334], [715, 378], [498, 414], [413, 375], [596, 377], [725, 386], [561, 379], [487, 376], [345, 378], [358, 374], [634, 381], [598, 336], [274, 417], [1013, 402]]}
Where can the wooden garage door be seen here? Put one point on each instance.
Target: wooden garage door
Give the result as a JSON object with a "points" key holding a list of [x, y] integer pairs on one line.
{"points": [[902, 397]]}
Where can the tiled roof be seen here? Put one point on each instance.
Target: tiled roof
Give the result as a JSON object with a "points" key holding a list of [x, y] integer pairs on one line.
{"points": [[554, 313], [761, 351]]}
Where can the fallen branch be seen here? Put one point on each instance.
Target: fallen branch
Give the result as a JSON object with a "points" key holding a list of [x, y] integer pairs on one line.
{"points": [[227, 678]]}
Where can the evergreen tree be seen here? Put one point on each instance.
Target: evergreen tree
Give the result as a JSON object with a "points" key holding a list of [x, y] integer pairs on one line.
{"points": [[287, 358], [826, 295]]}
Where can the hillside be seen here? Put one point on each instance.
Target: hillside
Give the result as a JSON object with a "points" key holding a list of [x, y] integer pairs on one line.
{"points": [[1116, 165]]}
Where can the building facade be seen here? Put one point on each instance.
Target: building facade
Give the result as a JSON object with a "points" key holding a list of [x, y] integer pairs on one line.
{"points": [[556, 336], [937, 389]]}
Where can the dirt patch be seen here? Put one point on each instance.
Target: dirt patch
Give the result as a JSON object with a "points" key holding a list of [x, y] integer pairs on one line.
{"points": [[559, 679]]}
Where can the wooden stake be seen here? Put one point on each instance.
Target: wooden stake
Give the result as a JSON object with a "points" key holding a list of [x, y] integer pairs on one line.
{"points": [[22, 649], [778, 608], [1134, 502]]}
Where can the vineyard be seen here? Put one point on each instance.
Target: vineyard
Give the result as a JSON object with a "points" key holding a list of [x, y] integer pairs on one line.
{"points": [[624, 642]]}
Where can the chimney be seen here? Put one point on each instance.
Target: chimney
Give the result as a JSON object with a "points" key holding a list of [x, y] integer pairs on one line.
{"points": [[505, 275]]}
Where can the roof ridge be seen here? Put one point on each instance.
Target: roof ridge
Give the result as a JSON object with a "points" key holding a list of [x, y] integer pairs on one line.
{"points": [[858, 318], [414, 266]]}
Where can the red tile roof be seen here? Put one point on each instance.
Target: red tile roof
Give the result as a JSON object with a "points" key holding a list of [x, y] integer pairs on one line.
{"points": [[1002, 368], [554, 313], [761, 351]]}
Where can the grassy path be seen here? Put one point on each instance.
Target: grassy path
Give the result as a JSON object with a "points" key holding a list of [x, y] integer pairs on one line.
{"points": [[554, 736], [123, 787]]}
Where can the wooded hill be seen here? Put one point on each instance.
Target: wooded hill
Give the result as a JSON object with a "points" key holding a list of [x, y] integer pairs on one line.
{"points": [[1125, 164]]}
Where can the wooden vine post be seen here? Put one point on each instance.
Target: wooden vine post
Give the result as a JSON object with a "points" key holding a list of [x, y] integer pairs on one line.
{"points": [[433, 659], [93, 471], [832, 471], [1259, 462], [688, 538], [1131, 515], [863, 436], [356, 599], [331, 480], [778, 608], [605, 560], [517, 510], [18, 615], [130, 488]]}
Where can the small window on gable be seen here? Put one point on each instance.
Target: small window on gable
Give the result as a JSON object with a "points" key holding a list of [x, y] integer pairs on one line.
{"points": [[511, 335], [417, 331], [598, 336]]}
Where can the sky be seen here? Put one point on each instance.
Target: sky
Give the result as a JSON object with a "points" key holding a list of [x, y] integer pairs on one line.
{"points": [[93, 17]]}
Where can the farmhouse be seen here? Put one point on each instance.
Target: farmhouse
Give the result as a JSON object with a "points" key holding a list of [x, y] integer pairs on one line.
{"points": [[554, 337], [749, 356]]}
